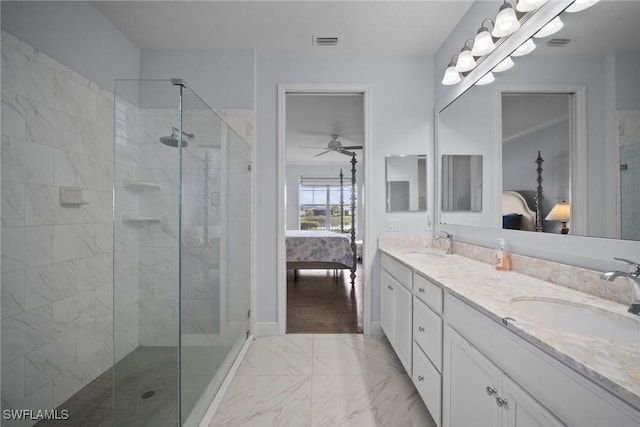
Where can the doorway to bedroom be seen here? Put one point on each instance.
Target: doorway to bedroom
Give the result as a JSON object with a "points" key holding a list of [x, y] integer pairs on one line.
{"points": [[322, 142]]}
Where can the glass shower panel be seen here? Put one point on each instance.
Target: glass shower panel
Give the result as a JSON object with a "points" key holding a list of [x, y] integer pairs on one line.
{"points": [[146, 249], [214, 299]]}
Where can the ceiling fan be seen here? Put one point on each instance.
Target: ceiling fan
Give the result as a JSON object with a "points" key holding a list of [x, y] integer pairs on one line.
{"points": [[335, 145]]}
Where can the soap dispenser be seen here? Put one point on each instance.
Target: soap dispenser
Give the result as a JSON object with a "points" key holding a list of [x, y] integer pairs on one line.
{"points": [[503, 258]]}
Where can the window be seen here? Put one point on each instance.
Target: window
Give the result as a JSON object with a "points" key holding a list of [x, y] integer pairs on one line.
{"points": [[319, 204]]}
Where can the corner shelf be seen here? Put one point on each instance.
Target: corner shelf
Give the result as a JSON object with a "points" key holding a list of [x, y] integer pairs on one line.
{"points": [[136, 219], [141, 185]]}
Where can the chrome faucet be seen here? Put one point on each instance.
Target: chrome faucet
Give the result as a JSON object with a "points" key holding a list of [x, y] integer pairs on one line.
{"points": [[449, 238], [633, 276]]}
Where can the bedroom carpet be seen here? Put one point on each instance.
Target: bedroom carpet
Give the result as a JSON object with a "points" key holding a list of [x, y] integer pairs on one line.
{"points": [[319, 302]]}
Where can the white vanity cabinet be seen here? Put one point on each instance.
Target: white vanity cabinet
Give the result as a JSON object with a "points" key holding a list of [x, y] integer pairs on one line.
{"points": [[476, 393], [396, 308]]}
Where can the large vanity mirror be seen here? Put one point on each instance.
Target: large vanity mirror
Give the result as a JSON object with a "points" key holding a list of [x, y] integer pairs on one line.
{"points": [[559, 132], [406, 177]]}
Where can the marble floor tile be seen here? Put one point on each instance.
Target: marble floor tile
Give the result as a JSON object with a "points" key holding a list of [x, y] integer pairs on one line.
{"points": [[289, 355], [367, 400], [262, 400], [354, 354]]}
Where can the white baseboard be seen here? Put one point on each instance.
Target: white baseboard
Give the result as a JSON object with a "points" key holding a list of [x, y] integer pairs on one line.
{"points": [[215, 403], [267, 329], [376, 329]]}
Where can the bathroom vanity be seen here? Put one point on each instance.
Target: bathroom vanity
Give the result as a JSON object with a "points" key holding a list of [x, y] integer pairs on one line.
{"points": [[492, 348]]}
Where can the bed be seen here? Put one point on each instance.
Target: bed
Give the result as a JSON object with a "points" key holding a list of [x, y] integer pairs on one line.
{"points": [[318, 249], [516, 214]]}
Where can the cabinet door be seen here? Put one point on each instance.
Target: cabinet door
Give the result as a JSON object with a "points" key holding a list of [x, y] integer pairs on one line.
{"points": [[404, 326], [522, 410], [387, 306], [470, 385]]}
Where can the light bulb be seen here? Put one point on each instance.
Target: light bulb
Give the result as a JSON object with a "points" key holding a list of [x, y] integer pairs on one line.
{"points": [[486, 79], [529, 5], [552, 27], [466, 62], [506, 21], [579, 5], [451, 76], [483, 43], [525, 48], [504, 65]]}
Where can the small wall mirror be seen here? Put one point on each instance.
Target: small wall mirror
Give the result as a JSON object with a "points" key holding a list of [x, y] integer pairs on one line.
{"points": [[406, 177], [461, 183]]}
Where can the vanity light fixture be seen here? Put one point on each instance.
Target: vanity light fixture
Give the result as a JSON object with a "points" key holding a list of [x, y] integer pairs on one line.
{"points": [[506, 22], [561, 212], [486, 79], [466, 61], [529, 5], [579, 5], [451, 76], [483, 42], [552, 27], [525, 48], [504, 65]]}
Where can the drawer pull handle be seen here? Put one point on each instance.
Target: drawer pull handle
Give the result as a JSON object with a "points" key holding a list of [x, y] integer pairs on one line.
{"points": [[501, 402], [421, 290], [420, 378], [390, 287], [420, 328], [491, 390]]}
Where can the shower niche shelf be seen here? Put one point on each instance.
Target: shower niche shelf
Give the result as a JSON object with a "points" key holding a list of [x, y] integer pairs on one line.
{"points": [[138, 219], [141, 185]]}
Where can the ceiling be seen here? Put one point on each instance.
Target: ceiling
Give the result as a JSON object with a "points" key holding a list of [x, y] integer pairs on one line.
{"points": [[363, 27]]}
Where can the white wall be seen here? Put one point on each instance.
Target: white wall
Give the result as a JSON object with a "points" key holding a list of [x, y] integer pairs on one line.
{"points": [[401, 123], [75, 34], [223, 78]]}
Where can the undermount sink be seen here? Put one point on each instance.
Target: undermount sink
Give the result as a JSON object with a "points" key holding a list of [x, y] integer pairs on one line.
{"points": [[580, 319], [423, 255]]}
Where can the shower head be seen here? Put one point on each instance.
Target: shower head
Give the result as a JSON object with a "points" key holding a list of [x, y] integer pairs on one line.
{"points": [[172, 141]]}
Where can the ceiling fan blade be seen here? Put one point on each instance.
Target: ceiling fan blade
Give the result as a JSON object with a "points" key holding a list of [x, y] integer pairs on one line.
{"points": [[353, 147], [320, 154], [346, 153]]}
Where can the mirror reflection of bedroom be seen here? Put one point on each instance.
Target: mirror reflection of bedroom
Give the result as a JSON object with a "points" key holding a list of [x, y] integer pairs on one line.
{"points": [[324, 139], [536, 166]]}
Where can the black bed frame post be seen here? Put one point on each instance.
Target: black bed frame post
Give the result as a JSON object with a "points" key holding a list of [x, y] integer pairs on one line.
{"points": [[539, 195], [341, 202], [353, 218]]}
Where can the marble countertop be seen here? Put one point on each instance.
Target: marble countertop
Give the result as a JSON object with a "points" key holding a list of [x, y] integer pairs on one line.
{"points": [[613, 365]]}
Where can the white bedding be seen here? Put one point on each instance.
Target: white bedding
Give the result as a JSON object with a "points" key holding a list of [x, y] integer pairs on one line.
{"points": [[318, 246]]}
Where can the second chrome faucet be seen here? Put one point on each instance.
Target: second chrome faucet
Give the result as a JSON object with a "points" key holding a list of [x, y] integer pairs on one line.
{"points": [[449, 237]]}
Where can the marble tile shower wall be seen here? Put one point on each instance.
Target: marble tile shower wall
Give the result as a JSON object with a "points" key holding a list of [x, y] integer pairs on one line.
{"points": [[57, 130]]}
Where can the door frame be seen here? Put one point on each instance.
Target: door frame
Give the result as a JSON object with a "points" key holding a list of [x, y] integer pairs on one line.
{"points": [[281, 268]]}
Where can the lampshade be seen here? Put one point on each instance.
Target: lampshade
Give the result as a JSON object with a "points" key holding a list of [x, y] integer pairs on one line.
{"points": [[466, 61], [529, 5], [579, 5], [525, 48], [504, 65], [451, 76], [483, 42], [560, 212], [486, 79], [506, 21], [552, 27]]}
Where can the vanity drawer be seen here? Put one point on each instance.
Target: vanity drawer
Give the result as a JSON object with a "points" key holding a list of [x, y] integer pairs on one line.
{"points": [[427, 332], [398, 270], [428, 382], [430, 293]]}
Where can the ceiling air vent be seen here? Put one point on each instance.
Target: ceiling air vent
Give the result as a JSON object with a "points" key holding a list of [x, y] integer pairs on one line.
{"points": [[558, 42], [325, 41]]}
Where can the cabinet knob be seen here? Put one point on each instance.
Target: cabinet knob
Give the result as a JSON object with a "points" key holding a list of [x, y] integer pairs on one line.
{"points": [[420, 378], [421, 290], [390, 287], [501, 402], [420, 328], [491, 390]]}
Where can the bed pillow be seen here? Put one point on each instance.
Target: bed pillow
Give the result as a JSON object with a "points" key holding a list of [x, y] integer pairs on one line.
{"points": [[511, 221]]}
